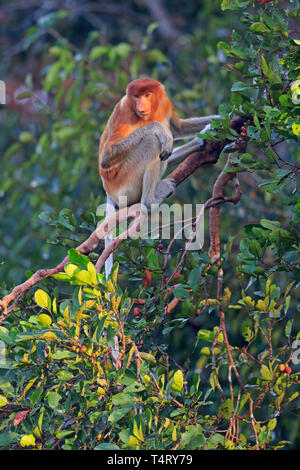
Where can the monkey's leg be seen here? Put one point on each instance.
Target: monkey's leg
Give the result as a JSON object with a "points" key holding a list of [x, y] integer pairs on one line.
{"points": [[150, 180], [192, 126], [179, 154]]}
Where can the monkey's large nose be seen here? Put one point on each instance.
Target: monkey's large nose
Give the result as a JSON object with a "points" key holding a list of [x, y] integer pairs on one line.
{"points": [[141, 108]]}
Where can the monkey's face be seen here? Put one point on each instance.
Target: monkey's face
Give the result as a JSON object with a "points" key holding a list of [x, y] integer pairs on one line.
{"points": [[143, 105], [144, 95]]}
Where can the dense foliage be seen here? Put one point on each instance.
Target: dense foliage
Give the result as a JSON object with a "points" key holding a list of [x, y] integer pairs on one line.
{"points": [[214, 372]]}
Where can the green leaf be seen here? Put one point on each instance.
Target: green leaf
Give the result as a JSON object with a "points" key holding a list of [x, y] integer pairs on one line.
{"points": [[62, 354], [100, 328], [25, 94], [123, 50], [148, 357], [269, 224], [134, 388], [259, 28], [64, 375], [98, 51], [5, 335], [42, 299], [225, 409], [216, 439], [7, 438], [157, 56], [107, 446], [225, 48], [264, 66], [3, 400], [122, 399], [234, 169], [271, 155], [194, 278], [53, 399], [288, 328], [205, 335], [26, 336], [152, 27], [36, 394], [247, 158], [213, 380], [11, 150], [193, 438], [44, 320], [118, 414], [234, 4], [77, 258], [62, 434], [84, 276], [272, 424], [178, 381], [26, 137], [52, 77], [240, 86], [266, 373], [49, 20], [61, 277], [293, 397], [180, 292]]}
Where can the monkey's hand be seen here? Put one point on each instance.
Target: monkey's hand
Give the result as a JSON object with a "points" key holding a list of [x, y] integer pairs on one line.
{"points": [[166, 144]]}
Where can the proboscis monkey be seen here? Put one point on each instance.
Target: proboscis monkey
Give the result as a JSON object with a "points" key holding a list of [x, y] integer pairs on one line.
{"points": [[136, 146]]}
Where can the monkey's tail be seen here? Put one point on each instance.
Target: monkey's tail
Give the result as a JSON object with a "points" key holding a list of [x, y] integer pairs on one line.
{"points": [[110, 260], [110, 209]]}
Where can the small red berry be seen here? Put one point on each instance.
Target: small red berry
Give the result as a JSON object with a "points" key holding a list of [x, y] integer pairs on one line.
{"points": [[160, 246], [288, 370], [177, 275], [136, 311], [147, 278]]}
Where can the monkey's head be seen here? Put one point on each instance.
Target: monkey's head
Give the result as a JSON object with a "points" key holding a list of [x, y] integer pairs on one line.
{"points": [[144, 95]]}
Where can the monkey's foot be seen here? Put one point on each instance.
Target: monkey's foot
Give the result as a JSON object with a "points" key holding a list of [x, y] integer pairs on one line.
{"points": [[198, 144], [164, 189]]}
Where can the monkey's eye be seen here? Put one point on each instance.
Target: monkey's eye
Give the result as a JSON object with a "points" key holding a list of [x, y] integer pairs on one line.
{"points": [[136, 96], [147, 95]]}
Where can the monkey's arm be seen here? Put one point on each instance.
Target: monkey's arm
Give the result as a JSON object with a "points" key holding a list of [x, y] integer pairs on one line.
{"points": [[114, 155], [189, 127]]}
